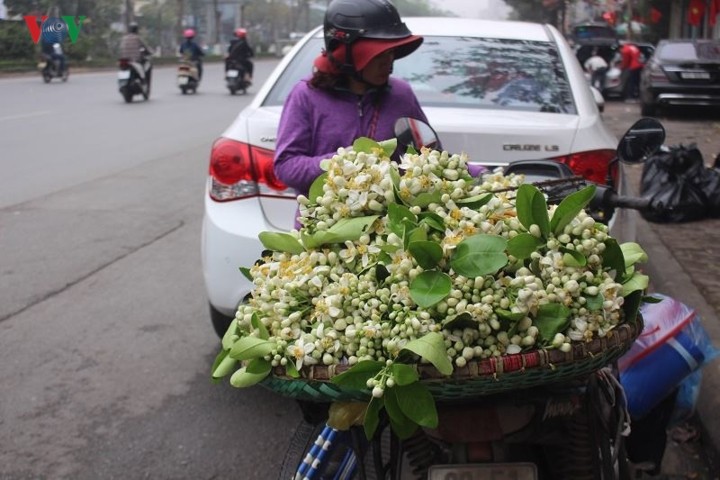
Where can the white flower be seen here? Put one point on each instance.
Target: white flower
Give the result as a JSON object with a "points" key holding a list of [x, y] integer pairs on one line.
{"points": [[301, 353]]}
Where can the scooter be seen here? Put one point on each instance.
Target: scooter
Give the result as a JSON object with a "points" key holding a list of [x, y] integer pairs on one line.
{"points": [[188, 77], [50, 67], [236, 77], [571, 427], [134, 77]]}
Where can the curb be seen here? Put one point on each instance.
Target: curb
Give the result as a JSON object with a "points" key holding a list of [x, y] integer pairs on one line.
{"points": [[668, 277]]}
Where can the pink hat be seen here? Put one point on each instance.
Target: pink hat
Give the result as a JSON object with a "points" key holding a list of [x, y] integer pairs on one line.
{"points": [[364, 50]]}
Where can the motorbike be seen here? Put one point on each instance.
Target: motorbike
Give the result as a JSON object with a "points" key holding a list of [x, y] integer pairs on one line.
{"points": [[134, 77], [568, 428], [235, 77], [50, 67], [188, 77]]}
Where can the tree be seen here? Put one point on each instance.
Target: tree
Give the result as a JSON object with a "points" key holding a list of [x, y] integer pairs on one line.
{"points": [[543, 11]]}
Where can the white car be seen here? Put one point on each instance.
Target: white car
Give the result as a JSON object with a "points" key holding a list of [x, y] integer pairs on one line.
{"points": [[500, 91]]}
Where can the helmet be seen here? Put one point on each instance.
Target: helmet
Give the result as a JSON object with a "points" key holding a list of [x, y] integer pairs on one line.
{"points": [[356, 31], [189, 33], [133, 27], [240, 33]]}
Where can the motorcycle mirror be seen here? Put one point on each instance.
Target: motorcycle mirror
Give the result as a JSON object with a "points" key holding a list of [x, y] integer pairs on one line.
{"points": [[411, 132], [641, 140]]}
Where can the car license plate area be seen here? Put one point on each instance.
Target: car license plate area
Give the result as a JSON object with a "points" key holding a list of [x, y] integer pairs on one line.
{"points": [[233, 73], [695, 75], [494, 471]]}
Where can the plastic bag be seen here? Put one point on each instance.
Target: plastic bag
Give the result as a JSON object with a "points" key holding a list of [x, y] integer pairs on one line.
{"points": [[672, 345], [673, 178]]}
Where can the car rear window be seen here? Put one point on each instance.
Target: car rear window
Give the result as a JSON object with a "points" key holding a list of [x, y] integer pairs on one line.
{"points": [[690, 51], [467, 72]]}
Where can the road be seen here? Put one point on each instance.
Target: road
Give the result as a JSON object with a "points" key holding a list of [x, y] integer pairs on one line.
{"points": [[105, 340]]}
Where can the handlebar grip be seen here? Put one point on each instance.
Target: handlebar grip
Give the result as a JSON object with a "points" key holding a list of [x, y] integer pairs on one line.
{"points": [[635, 203]]}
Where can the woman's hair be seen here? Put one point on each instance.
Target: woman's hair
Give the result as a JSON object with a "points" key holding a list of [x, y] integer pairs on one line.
{"points": [[326, 81]]}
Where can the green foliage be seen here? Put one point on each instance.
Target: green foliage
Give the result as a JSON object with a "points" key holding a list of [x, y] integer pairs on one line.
{"points": [[15, 41]]}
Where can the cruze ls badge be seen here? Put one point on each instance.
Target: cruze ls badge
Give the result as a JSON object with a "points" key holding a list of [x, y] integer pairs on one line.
{"points": [[516, 147]]}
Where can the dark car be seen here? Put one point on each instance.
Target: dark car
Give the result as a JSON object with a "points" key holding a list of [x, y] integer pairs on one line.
{"points": [[681, 73]]}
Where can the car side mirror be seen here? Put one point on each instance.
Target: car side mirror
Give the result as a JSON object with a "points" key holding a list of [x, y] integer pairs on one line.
{"points": [[641, 140], [411, 132]]}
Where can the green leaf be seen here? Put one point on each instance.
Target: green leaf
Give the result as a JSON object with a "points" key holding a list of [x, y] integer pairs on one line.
{"points": [[248, 348], [532, 208], [231, 335], [594, 303], [316, 189], [613, 259], [462, 321], [424, 199], [522, 245], [356, 377], [258, 325], [365, 145], [223, 365], [475, 202], [431, 347], [254, 372], [345, 229], [381, 272], [389, 146], [372, 417], [479, 255], [403, 374], [638, 282], [570, 207], [633, 254], [291, 369], [631, 306], [552, 318], [433, 220], [573, 258], [400, 423], [430, 287], [650, 299], [428, 254], [415, 234], [398, 217], [281, 242], [246, 273], [417, 403]]}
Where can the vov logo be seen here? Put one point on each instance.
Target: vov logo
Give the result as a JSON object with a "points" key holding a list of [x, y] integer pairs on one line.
{"points": [[54, 29]]}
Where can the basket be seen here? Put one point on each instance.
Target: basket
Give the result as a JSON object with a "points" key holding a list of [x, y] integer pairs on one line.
{"points": [[478, 378]]}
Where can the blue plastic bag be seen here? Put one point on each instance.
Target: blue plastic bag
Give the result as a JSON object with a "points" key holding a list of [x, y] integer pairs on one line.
{"points": [[671, 347]]}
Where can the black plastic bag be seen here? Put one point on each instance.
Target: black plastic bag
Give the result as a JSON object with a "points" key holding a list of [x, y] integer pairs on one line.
{"points": [[673, 179]]}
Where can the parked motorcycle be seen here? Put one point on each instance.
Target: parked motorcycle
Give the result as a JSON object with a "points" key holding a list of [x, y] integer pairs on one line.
{"points": [[188, 78], [134, 77], [50, 67], [568, 427], [236, 78]]}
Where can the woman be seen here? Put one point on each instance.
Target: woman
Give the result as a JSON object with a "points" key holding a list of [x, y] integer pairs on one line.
{"points": [[350, 93]]}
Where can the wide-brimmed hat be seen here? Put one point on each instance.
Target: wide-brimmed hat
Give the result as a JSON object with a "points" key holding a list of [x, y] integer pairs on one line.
{"points": [[365, 49]]}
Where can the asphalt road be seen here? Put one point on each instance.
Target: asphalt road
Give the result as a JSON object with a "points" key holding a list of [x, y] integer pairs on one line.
{"points": [[105, 340]]}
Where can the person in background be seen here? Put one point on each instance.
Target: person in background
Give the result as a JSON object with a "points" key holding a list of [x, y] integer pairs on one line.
{"points": [[350, 93], [631, 66], [597, 67], [134, 48], [240, 51], [190, 49]]}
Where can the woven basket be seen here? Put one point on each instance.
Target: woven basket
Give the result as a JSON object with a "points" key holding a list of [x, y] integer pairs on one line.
{"points": [[477, 378]]}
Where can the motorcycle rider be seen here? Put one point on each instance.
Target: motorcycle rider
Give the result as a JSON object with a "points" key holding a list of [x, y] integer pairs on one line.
{"points": [[240, 51], [191, 49], [136, 50], [53, 51]]}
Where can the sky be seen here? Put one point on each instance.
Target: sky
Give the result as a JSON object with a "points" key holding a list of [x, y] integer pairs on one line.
{"points": [[490, 9]]}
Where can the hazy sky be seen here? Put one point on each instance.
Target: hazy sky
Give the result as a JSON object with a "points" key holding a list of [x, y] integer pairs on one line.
{"points": [[491, 9]]}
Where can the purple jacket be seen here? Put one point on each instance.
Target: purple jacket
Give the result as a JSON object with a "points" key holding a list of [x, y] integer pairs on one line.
{"points": [[316, 122]]}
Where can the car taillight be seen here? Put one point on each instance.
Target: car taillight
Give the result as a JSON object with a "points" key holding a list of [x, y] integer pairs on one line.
{"points": [[657, 73], [238, 170], [592, 165]]}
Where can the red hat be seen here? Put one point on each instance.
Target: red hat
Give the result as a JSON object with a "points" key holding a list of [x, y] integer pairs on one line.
{"points": [[364, 50]]}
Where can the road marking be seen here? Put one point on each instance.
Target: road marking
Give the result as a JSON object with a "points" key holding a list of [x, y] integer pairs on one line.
{"points": [[25, 115]]}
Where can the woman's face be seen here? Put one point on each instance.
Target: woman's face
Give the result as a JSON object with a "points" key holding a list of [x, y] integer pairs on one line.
{"points": [[378, 71]]}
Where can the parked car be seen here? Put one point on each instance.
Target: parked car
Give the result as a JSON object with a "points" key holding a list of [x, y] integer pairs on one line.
{"points": [[682, 72], [500, 91]]}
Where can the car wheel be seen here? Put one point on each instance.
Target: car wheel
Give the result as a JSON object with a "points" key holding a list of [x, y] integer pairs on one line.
{"points": [[220, 321], [648, 109]]}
